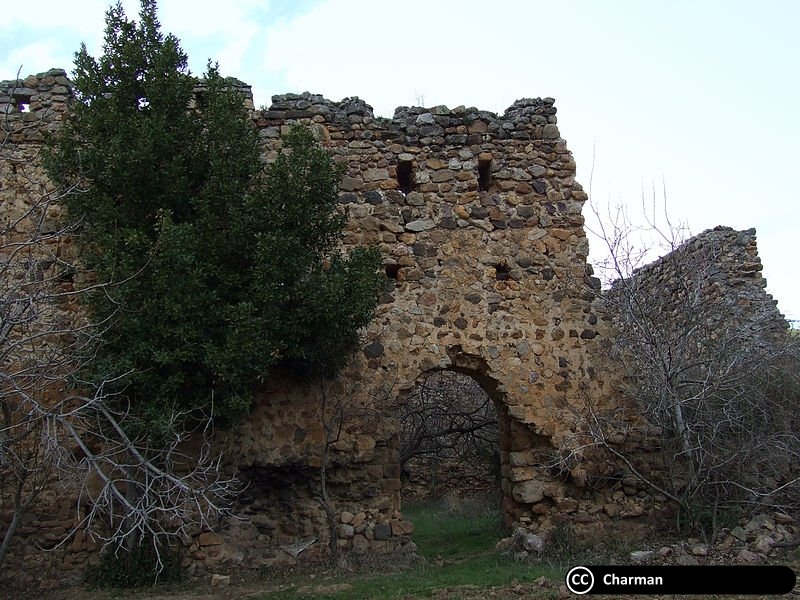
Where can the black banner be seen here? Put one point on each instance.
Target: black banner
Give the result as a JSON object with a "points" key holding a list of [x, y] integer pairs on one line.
{"points": [[645, 579]]}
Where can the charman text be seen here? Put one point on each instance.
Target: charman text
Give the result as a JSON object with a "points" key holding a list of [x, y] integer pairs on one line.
{"points": [[613, 579]]}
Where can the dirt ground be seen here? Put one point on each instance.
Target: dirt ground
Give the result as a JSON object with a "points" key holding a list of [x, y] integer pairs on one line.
{"points": [[318, 585], [544, 589]]}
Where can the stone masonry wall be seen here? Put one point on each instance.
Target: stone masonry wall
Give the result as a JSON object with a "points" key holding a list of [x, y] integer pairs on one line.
{"points": [[30, 109], [478, 218], [718, 274]]}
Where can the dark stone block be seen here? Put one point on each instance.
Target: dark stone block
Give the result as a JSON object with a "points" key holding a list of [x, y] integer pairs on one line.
{"points": [[382, 531], [430, 130], [524, 261], [373, 197], [525, 211], [457, 139], [424, 250], [478, 212], [374, 350]]}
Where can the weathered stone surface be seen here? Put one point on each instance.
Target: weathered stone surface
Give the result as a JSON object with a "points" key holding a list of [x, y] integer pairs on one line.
{"points": [[687, 560], [350, 184], [642, 556], [374, 350], [400, 528], [345, 531], [382, 531], [528, 492], [747, 557], [420, 225], [551, 131], [739, 533], [209, 538]]}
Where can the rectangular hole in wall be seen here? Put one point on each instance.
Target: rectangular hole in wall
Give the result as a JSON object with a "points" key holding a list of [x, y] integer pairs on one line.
{"points": [[484, 175], [22, 103], [405, 176]]}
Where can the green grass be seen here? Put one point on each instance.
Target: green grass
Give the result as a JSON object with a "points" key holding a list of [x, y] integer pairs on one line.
{"points": [[422, 581], [440, 532], [458, 551]]}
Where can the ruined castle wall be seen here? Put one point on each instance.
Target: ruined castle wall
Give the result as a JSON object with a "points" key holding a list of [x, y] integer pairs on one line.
{"points": [[714, 278], [478, 218], [30, 109]]}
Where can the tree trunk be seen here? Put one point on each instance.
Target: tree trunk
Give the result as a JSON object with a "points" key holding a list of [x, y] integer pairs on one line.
{"points": [[323, 499], [19, 511]]}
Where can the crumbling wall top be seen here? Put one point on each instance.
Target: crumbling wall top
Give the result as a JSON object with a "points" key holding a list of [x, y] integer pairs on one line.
{"points": [[520, 120], [37, 101]]}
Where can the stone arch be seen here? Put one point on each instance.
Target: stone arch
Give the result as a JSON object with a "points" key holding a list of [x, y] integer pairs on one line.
{"points": [[524, 476]]}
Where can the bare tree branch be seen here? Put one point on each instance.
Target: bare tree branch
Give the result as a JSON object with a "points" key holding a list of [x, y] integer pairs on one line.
{"points": [[709, 363]]}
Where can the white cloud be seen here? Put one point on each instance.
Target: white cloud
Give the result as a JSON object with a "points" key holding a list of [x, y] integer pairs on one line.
{"points": [[206, 30], [30, 58], [225, 32]]}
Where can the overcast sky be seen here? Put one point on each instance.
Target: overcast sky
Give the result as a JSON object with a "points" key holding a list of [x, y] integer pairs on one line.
{"points": [[698, 100]]}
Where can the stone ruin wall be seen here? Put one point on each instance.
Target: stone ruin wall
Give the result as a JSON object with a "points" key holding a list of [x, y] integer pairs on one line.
{"points": [[721, 267], [478, 217]]}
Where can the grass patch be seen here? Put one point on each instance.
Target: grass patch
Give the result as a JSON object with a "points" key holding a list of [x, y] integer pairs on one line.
{"points": [[422, 581], [458, 550], [440, 531]]}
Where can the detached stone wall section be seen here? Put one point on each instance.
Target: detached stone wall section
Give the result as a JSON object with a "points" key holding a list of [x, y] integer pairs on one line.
{"points": [[718, 274]]}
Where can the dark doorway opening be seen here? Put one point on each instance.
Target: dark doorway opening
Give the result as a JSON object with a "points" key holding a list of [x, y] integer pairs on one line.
{"points": [[449, 440]]}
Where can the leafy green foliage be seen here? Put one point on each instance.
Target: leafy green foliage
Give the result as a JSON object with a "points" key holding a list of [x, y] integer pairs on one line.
{"points": [[215, 270], [137, 567]]}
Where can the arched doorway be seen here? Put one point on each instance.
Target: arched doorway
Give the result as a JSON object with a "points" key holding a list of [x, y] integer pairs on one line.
{"points": [[449, 438], [456, 439]]}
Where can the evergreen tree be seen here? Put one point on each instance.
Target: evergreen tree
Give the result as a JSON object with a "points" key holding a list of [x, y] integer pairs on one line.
{"points": [[218, 270]]}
